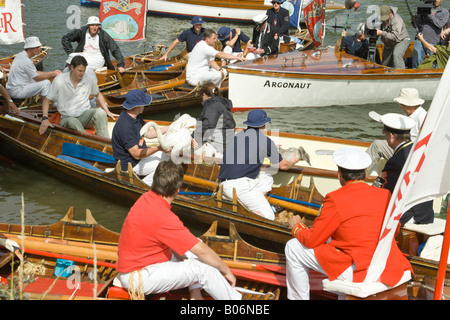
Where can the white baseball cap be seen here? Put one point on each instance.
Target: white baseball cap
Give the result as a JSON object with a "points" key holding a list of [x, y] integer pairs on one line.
{"points": [[32, 42], [351, 158], [93, 20], [398, 122]]}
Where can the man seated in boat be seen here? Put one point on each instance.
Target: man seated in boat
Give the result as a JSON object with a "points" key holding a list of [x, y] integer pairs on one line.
{"points": [[396, 129], [202, 67], [357, 44], [157, 253], [430, 27], [24, 80], [72, 92], [231, 41], [191, 36], [242, 165], [12, 108], [411, 104], [128, 144], [440, 53], [344, 236], [395, 37], [265, 38], [96, 45], [214, 125]]}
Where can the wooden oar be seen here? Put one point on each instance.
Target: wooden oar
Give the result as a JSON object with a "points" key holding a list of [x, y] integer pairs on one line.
{"points": [[278, 202], [86, 153]]}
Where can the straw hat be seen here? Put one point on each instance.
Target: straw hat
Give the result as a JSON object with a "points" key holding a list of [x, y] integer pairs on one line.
{"points": [[409, 97], [351, 159]]}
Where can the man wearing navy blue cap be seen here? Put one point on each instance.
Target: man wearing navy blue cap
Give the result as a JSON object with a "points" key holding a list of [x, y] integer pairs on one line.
{"points": [[231, 41], [128, 144], [242, 163], [191, 36]]}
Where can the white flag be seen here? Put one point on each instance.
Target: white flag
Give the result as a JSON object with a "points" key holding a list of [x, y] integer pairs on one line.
{"points": [[425, 175], [11, 22]]}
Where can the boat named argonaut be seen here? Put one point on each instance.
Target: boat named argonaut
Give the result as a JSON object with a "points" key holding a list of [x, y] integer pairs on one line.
{"points": [[287, 85]]}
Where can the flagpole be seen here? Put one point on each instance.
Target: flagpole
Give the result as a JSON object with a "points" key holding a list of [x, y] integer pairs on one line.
{"points": [[442, 269]]}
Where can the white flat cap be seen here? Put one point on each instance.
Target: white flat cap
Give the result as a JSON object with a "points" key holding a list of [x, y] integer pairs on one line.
{"points": [[351, 159], [32, 42], [72, 55], [395, 121], [260, 18], [409, 97]]}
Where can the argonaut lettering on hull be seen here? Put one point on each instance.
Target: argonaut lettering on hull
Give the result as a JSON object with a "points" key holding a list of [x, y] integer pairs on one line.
{"points": [[287, 85]]}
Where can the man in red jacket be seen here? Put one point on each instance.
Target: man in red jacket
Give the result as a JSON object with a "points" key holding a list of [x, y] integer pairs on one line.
{"points": [[344, 236]]}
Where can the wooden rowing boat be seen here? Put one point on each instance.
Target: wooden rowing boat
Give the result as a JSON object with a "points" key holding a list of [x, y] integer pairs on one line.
{"points": [[91, 250], [38, 60], [322, 77], [216, 10], [21, 142]]}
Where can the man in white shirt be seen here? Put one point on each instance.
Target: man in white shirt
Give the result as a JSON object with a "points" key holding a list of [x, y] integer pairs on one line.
{"points": [[95, 44], [24, 80], [410, 103], [72, 91], [201, 66]]}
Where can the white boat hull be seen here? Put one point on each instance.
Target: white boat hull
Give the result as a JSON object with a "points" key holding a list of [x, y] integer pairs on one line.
{"points": [[212, 13], [252, 91]]}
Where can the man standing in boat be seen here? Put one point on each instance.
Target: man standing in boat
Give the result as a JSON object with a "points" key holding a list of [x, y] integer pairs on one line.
{"points": [[265, 38], [430, 27], [344, 236], [157, 253], [24, 80], [396, 129], [394, 36], [242, 164], [96, 45], [71, 91], [278, 17], [128, 144], [191, 36], [202, 67]]}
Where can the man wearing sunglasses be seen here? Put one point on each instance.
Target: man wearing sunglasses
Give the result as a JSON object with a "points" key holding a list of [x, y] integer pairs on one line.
{"points": [[279, 18]]}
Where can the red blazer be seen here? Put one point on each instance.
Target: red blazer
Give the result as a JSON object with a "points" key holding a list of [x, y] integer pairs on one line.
{"points": [[351, 219]]}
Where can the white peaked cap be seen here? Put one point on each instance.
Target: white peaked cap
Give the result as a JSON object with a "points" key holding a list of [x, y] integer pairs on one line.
{"points": [[351, 159]]}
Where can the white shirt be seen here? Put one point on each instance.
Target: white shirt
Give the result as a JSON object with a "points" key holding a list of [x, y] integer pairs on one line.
{"points": [[92, 53], [418, 116], [72, 101], [199, 59], [22, 72]]}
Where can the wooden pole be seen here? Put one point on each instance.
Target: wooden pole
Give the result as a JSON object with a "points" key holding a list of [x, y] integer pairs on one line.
{"points": [[438, 290]]}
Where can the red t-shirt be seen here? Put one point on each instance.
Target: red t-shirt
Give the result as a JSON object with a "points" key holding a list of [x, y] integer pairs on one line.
{"points": [[150, 233]]}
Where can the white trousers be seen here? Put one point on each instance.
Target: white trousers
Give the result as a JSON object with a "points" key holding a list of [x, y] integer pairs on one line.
{"points": [[30, 90], [299, 260], [212, 75], [176, 274], [147, 166], [251, 192], [378, 149]]}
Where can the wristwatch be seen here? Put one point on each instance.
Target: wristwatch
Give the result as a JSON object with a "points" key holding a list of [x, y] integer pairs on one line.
{"points": [[45, 118], [11, 100]]}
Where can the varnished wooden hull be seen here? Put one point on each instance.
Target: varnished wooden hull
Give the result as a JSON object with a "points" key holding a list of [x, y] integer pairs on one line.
{"points": [[323, 77]]}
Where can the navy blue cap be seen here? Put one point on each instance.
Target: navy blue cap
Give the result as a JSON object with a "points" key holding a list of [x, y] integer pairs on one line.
{"points": [[197, 20], [257, 118], [136, 98], [223, 33]]}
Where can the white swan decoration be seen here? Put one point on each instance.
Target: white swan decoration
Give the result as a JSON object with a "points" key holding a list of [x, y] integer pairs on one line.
{"points": [[178, 135]]}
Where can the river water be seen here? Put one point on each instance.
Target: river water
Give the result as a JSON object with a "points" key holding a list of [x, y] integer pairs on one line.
{"points": [[47, 199]]}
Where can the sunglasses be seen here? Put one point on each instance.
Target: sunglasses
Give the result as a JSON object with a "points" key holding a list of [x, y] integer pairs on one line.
{"points": [[273, 2]]}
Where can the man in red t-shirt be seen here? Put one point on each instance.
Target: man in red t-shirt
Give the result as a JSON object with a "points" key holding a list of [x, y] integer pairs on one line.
{"points": [[344, 236], [153, 239]]}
